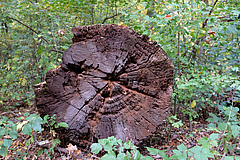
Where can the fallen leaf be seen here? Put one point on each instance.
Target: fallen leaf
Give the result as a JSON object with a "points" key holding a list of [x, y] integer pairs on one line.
{"points": [[7, 137], [193, 104], [71, 149], [53, 133], [78, 152], [166, 146], [20, 125]]}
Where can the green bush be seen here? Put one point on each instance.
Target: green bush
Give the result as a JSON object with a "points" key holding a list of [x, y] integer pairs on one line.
{"points": [[30, 125]]}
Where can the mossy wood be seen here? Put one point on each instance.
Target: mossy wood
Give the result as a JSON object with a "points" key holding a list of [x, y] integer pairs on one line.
{"points": [[112, 82]]}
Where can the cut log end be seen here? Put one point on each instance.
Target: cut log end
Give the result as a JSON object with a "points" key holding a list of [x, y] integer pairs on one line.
{"points": [[112, 82]]}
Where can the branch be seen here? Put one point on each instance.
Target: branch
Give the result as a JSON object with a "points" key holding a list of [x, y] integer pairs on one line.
{"points": [[194, 51], [65, 27], [28, 28], [110, 17], [117, 14], [56, 50], [205, 22]]}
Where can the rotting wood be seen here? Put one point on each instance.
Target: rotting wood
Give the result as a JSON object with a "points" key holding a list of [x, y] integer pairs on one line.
{"points": [[112, 82]]}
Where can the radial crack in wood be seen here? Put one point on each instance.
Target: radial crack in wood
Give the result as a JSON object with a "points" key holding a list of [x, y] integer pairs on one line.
{"points": [[112, 82]]}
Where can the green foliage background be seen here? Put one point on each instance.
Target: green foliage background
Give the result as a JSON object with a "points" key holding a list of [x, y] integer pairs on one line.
{"points": [[201, 37], [30, 44]]}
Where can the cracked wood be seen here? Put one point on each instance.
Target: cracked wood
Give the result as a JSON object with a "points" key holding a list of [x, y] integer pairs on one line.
{"points": [[112, 82]]}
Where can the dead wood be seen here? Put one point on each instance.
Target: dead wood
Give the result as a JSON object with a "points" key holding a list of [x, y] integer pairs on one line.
{"points": [[112, 82]]}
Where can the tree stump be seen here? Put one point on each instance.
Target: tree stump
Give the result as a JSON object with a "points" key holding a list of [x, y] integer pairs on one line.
{"points": [[112, 82]]}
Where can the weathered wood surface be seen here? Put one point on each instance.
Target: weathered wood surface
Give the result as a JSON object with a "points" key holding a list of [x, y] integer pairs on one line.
{"points": [[112, 82]]}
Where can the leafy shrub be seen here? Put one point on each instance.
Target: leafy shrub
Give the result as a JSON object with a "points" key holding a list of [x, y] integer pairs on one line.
{"points": [[31, 124], [116, 150]]}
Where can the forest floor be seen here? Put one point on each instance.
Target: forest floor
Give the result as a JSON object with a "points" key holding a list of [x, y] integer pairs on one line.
{"points": [[165, 139]]}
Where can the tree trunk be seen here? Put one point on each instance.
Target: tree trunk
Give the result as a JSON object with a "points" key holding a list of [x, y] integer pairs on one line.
{"points": [[112, 82]]}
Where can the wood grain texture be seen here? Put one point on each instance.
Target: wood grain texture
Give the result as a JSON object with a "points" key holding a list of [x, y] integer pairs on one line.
{"points": [[112, 82]]}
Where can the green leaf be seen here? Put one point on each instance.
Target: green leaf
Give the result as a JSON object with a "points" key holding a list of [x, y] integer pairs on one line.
{"points": [[46, 118], [13, 134], [148, 158], [52, 122], [177, 124], [29, 142], [26, 114], [27, 130], [214, 143], [3, 151], [3, 131], [37, 127], [128, 145], [235, 130], [214, 136], [222, 126], [153, 151], [65, 47], [40, 151], [201, 154], [236, 12], [108, 147], [108, 156], [54, 143], [204, 142], [45, 150], [119, 141], [229, 158], [121, 156], [63, 124], [147, 32], [214, 118], [182, 147], [180, 154], [163, 155], [137, 155], [103, 141], [96, 148], [211, 125], [232, 29], [129, 155], [7, 142], [35, 118]]}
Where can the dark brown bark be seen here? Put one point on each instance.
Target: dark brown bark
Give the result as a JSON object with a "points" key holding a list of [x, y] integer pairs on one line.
{"points": [[112, 82]]}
